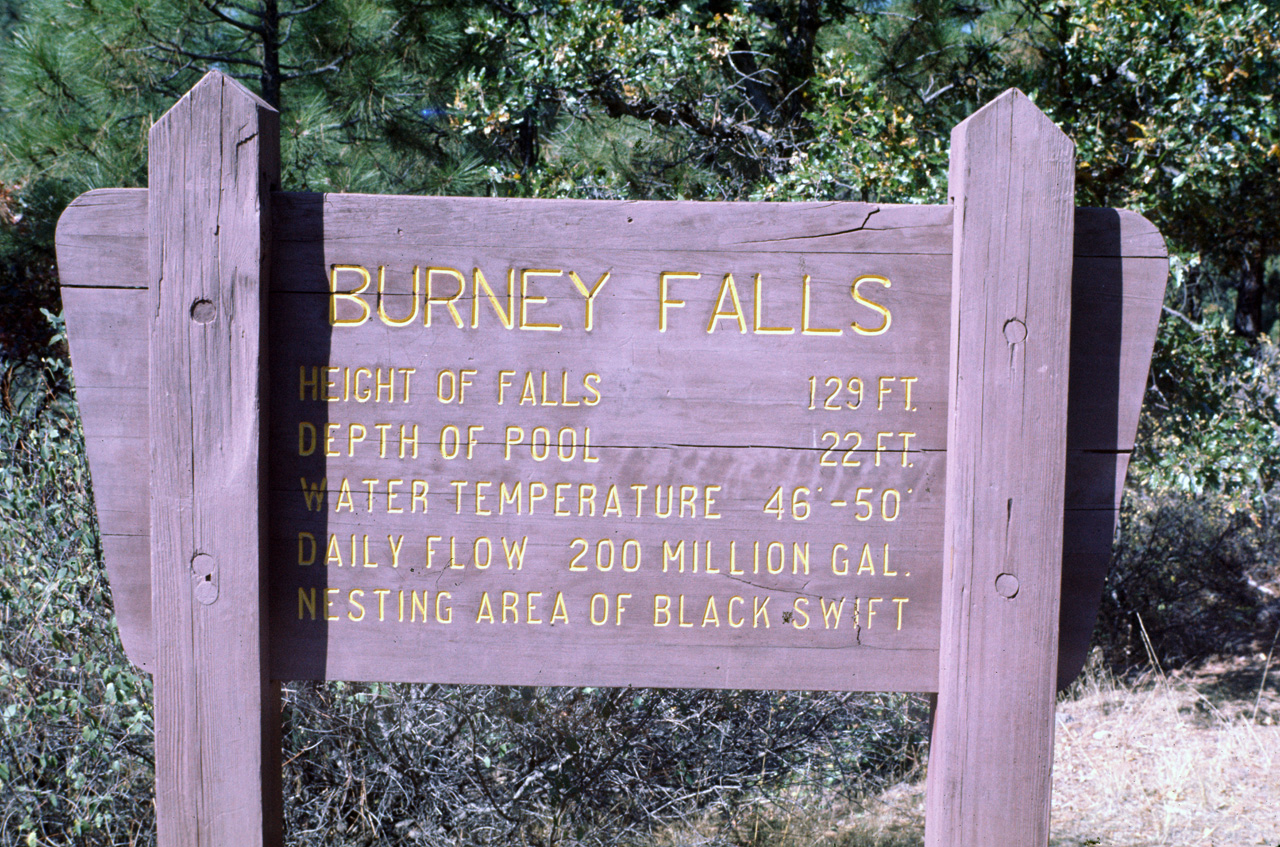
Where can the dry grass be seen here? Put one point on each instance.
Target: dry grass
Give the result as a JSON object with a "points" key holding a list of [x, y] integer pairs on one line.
{"points": [[1190, 759], [894, 818]]}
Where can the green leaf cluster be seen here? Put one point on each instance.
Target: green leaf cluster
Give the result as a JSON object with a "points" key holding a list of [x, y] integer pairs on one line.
{"points": [[1213, 416]]}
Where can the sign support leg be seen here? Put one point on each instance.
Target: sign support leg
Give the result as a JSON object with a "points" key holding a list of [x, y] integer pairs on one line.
{"points": [[1012, 188], [214, 159]]}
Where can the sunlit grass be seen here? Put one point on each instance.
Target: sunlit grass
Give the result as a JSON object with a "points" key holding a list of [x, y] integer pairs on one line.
{"points": [[1185, 760]]}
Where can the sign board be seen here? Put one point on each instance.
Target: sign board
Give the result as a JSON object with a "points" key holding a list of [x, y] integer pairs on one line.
{"points": [[708, 454], [607, 443]]}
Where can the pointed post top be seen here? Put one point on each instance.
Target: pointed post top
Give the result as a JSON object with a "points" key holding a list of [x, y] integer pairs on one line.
{"points": [[1012, 105], [215, 87], [1012, 186], [1009, 128], [222, 112]]}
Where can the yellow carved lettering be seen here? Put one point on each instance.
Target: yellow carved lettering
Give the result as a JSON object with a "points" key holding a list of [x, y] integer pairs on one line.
{"points": [[734, 312], [307, 601], [885, 318], [382, 311], [352, 296], [526, 298], [590, 294], [479, 284], [448, 302], [758, 315], [665, 301], [485, 614], [805, 309], [800, 606]]}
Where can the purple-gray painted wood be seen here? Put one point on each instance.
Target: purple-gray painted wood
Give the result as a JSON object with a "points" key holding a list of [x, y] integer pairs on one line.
{"points": [[1033, 455], [1012, 186], [1118, 284], [213, 159]]}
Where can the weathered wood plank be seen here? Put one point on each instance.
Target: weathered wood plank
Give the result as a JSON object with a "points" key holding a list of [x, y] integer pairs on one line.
{"points": [[121, 466], [1117, 298], [116, 215], [128, 406], [354, 221], [131, 594], [683, 407], [1117, 303], [1012, 183], [1116, 306], [213, 159], [790, 643], [101, 238], [1116, 232]]}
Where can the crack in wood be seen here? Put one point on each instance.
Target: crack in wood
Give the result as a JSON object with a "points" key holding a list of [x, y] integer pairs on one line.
{"points": [[859, 228]]}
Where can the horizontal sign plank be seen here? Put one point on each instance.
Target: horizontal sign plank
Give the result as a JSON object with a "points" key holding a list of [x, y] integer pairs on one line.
{"points": [[497, 469], [706, 454]]}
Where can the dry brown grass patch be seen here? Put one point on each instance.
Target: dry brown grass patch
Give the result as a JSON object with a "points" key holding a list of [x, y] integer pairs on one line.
{"points": [[1170, 760], [1189, 759]]}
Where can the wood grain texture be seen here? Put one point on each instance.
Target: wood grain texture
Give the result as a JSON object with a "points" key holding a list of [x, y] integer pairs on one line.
{"points": [[1012, 186], [101, 245], [1118, 283], [356, 220], [1108, 233], [682, 407], [213, 159], [107, 335], [102, 239]]}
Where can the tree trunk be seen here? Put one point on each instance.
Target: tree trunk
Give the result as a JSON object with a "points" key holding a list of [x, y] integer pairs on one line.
{"points": [[1248, 317], [271, 53]]}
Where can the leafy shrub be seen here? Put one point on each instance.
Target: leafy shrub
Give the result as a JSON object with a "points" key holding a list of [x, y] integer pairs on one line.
{"points": [[1211, 422], [1192, 577], [1197, 564]]}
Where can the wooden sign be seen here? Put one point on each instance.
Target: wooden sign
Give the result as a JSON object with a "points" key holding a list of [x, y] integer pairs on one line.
{"points": [[811, 445], [518, 455]]}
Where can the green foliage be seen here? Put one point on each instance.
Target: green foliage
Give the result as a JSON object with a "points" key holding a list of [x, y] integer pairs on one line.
{"points": [[865, 149], [1179, 99], [1172, 106], [85, 103], [1213, 422], [1197, 566], [361, 84]]}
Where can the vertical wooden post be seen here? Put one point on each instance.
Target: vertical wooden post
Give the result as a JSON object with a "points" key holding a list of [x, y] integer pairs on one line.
{"points": [[214, 158], [1012, 185]]}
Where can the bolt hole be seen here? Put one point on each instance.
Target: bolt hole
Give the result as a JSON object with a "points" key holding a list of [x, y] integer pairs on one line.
{"points": [[1007, 586], [202, 311], [1015, 331]]}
